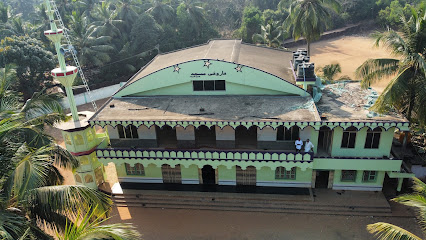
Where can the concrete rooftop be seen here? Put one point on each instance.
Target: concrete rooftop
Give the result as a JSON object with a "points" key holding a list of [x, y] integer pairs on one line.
{"points": [[342, 102], [216, 108], [267, 59]]}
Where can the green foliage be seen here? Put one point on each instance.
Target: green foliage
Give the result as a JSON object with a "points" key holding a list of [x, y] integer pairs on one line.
{"points": [[252, 19], [30, 194], [270, 35], [358, 10], [417, 199], [145, 34], [310, 18], [87, 228], [330, 71], [407, 90], [32, 61], [274, 16]]}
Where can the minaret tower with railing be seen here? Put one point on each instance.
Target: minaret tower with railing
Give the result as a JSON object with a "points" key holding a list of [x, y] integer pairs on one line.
{"points": [[81, 139]]}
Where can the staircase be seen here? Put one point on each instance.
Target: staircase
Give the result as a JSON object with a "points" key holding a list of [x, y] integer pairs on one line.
{"points": [[296, 204]]}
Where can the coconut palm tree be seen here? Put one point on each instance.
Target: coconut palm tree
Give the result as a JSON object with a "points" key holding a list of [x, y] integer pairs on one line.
{"points": [[87, 228], [270, 35], [106, 20], [30, 194], [162, 12], [329, 71], [195, 12], [92, 49], [386, 231], [407, 90], [310, 18]]}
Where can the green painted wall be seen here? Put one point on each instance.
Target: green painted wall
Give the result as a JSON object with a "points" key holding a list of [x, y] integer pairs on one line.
{"points": [[268, 174], [80, 141], [189, 173], [231, 89], [248, 82], [357, 164], [338, 175], [359, 150], [151, 171], [225, 173]]}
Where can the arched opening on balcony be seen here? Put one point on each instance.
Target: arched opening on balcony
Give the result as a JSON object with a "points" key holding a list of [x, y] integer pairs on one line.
{"points": [[205, 137], [246, 138], [287, 137], [166, 136], [325, 139]]}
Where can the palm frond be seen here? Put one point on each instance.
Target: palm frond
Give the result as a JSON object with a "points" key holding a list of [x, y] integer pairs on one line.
{"points": [[12, 226], [386, 231], [67, 201], [87, 229], [373, 70], [392, 94]]}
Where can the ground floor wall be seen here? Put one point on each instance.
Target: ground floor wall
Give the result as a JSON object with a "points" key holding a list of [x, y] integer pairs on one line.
{"points": [[262, 177], [359, 182]]}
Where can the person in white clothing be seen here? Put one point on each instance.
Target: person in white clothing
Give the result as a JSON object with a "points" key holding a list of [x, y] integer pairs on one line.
{"points": [[298, 144], [309, 146]]}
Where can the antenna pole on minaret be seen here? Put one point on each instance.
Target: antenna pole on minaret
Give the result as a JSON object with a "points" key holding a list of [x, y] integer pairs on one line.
{"points": [[64, 74]]}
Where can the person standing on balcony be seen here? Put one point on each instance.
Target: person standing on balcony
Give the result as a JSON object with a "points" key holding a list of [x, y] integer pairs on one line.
{"points": [[299, 144], [309, 146]]}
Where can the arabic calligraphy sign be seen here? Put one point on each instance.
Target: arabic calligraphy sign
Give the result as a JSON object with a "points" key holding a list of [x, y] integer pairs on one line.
{"points": [[218, 74]]}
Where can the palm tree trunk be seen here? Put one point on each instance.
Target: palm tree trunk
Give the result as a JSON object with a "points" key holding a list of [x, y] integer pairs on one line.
{"points": [[411, 103]]}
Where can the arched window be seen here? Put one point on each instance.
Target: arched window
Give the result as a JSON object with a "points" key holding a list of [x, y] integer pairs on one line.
{"points": [[372, 139], [127, 132], [78, 178], [283, 173], [67, 139], [137, 169], [349, 137], [78, 139], [88, 178], [287, 134]]}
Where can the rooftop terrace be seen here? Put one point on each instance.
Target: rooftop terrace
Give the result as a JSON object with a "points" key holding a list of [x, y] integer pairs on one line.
{"points": [[209, 108]]}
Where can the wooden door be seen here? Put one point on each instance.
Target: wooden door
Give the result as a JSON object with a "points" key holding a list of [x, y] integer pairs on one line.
{"points": [[246, 177], [171, 175]]}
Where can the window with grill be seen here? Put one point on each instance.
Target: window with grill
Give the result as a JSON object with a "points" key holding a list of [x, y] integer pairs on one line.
{"points": [[209, 85], [348, 176], [349, 137], [127, 132], [369, 176], [137, 169], [283, 173], [373, 138], [287, 134]]}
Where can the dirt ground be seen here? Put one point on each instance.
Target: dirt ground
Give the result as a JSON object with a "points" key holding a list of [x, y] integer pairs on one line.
{"points": [[350, 52], [164, 224]]}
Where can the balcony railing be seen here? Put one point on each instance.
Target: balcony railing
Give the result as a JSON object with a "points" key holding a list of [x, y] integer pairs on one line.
{"points": [[216, 154]]}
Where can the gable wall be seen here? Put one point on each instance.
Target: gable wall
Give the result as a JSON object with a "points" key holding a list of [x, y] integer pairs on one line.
{"points": [[249, 81]]}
